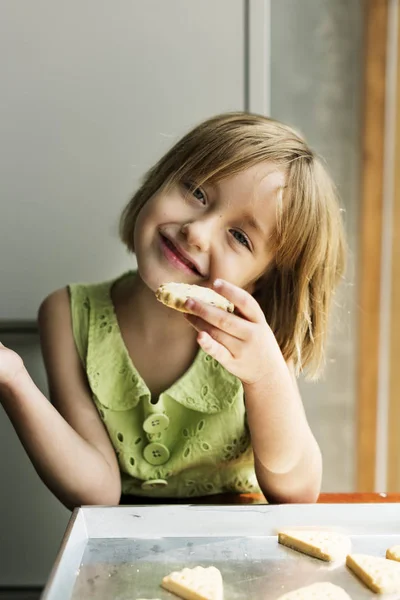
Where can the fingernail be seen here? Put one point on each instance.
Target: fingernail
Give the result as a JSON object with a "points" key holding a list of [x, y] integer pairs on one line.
{"points": [[218, 283], [189, 303]]}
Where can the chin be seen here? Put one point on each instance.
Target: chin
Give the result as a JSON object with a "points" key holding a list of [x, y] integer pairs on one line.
{"points": [[153, 275]]}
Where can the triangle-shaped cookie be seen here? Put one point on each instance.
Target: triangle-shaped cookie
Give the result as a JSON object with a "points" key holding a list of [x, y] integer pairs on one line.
{"points": [[393, 553], [198, 583], [379, 574], [317, 591], [325, 545]]}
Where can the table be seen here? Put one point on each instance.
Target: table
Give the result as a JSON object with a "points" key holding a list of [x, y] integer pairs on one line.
{"points": [[325, 498], [359, 497]]}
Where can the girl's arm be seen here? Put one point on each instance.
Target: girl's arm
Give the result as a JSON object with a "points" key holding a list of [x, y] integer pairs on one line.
{"points": [[287, 457], [66, 442]]}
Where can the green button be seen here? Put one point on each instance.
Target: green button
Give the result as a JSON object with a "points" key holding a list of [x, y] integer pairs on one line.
{"points": [[156, 423], [156, 454], [153, 484]]}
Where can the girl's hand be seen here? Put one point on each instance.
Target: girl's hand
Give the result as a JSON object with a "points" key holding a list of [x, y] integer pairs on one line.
{"points": [[11, 364], [243, 343]]}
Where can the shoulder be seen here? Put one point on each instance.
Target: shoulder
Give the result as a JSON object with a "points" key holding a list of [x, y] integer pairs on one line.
{"points": [[54, 320], [63, 320], [61, 307], [54, 308], [70, 300], [56, 335]]}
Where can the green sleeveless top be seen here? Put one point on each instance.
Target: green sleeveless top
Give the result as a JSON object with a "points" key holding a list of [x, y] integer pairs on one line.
{"points": [[192, 441]]}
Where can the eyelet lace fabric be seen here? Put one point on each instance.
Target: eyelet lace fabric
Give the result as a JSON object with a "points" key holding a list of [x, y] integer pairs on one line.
{"points": [[205, 445]]}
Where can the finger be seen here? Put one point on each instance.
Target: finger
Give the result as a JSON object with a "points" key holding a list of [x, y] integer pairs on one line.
{"points": [[214, 349], [230, 342], [243, 301], [221, 319]]}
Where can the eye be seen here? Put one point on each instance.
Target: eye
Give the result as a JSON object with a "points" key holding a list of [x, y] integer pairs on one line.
{"points": [[241, 238], [197, 193]]}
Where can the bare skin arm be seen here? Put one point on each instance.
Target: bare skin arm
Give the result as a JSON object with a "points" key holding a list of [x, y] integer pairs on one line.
{"points": [[287, 457], [66, 442]]}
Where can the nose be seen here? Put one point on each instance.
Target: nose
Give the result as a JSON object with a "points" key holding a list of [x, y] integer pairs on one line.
{"points": [[197, 234]]}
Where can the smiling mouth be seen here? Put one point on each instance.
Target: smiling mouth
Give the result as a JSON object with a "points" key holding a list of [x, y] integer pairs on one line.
{"points": [[179, 256]]}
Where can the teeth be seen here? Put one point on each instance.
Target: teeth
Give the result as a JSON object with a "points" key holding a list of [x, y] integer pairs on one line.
{"points": [[181, 258]]}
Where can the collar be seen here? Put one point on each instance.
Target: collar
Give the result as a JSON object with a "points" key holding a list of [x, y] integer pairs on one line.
{"points": [[206, 386]]}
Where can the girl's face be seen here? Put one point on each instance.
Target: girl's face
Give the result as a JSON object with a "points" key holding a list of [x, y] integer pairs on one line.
{"points": [[221, 230]]}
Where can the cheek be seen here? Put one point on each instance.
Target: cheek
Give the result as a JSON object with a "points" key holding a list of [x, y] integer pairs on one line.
{"points": [[147, 217], [227, 266], [140, 226], [158, 212], [240, 272], [143, 215]]}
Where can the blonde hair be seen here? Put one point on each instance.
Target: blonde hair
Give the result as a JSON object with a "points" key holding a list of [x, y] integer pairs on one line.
{"points": [[296, 291]]}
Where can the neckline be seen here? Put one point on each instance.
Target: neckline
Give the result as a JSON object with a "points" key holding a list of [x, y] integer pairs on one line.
{"points": [[141, 382]]}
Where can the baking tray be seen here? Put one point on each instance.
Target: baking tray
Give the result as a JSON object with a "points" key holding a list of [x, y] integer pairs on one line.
{"points": [[122, 553]]}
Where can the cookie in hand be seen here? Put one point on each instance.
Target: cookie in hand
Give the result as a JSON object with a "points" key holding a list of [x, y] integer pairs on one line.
{"points": [[175, 295]]}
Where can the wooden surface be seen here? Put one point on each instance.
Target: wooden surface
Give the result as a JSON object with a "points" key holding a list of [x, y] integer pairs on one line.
{"points": [[358, 497], [323, 499], [394, 382], [259, 499], [369, 270]]}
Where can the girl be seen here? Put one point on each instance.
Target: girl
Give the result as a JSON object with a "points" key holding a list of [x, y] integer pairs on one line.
{"points": [[148, 402]]}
